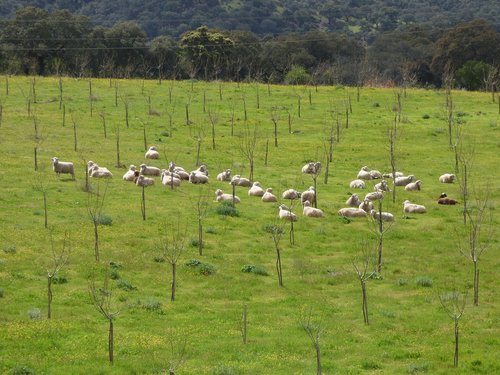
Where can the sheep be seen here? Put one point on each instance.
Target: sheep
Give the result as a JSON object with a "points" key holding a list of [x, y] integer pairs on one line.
{"points": [[308, 168], [144, 181], [375, 174], [256, 190], [90, 164], [237, 180], [384, 216], [389, 175], [220, 196], [224, 176], [198, 178], [414, 186], [65, 167], [364, 174], [353, 201], [447, 178], [149, 171], [311, 211], [352, 212], [169, 178], [382, 186], [202, 169], [100, 172], [130, 174], [374, 196], [412, 208], [308, 195], [285, 213], [269, 196], [152, 153], [403, 180], [366, 206], [291, 194], [443, 199], [357, 184]]}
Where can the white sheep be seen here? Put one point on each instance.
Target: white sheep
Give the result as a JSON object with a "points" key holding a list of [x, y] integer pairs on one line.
{"points": [[375, 174], [198, 178], [285, 213], [357, 184], [269, 196], [403, 180], [202, 169], [224, 175], [353, 201], [130, 174], [308, 168], [183, 175], [412, 208], [256, 190], [311, 211], [291, 194], [90, 165], [65, 167], [389, 175], [352, 212], [149, 171], [237, 180], [414, 186], [169, 178], [366, 206], [144, 181], [152, 153], [382, 186], [100, 172], [220, 196], [447, 178], [308, 195], [386, 216], [364, 173], [374, 196]]}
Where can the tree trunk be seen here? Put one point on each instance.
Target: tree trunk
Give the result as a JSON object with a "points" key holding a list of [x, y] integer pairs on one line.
{"points": [[278, 266], [174, 270], [110, 340], [36, 158], [365, 302], [476, 284], [267, 152], [292, 234], [318, 356], [49, 296], [455, 358], [251, 169], [143, 204], [244, 324], [45, 209], [275, 133], [96, 240], [200, 236]]}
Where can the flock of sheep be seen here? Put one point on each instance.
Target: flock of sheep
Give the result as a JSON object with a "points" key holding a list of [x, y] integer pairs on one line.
{"points": [[173, 176]]}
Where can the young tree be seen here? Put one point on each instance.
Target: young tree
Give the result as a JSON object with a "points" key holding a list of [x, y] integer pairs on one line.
{"points": [[214, 118], [59, 259], [276, 230], [380, 228], [314, 330], [95, 202], [201, 206], [177, 351], [364, 266], [40, 186], [248, 144]]}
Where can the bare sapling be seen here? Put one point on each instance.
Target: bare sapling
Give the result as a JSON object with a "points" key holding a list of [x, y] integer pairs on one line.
{"points": [[314, 329], [171, 245], [64, 115], [244, 324], [143, 202], [33, 89], [177, 351], [214, 118], [201, 208], [60, 93], [102, 115], [95, 203], [126, 103], [188, 122], [75, 140], [59, 258], [299, 105], [117, 139], [245, 117], [275, 117], [276, 230], [266, 158], [248, 145], [91, 98], [465, 156], [40, 186], [380, 227], [365, 267]]}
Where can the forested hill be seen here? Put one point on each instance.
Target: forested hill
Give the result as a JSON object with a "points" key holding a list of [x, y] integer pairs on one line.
{"points": [[366, 18]]}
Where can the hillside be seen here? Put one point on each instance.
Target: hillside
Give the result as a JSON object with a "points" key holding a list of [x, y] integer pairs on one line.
{"points": [[362, 17]]}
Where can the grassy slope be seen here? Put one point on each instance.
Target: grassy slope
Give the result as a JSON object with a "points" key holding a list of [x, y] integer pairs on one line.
{"points": [[408, 331]]}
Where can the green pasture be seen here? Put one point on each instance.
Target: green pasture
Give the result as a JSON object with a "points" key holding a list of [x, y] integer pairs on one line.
{"points": [[409, 331]]}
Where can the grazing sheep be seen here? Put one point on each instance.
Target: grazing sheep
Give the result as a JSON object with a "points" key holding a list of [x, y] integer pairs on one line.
{"points": [[130, 174], [414, 186], [364, 173], [308, 168], [374, 196], [357, 184], [256, 190], [237, 180], [443, 199], [353, 201], [308, 195], [285, 213], [224, 176], [202, 169], [149, 171], [447, 178], [412, 208], [198, 178], [144, 181], [352, 212], [220, 196], [100, 172], [152, 153], [382, 186], [366, 206], [384, 216], [269, 196], [311, 211], [403, 180], [169, 178], [65, 167], [375, 174], [291, 194], [389, 175]]}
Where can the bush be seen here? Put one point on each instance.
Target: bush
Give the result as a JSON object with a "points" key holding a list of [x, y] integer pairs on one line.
{"points": [[159, 259], [115, 265], [426, 116], [424, 281], [223, 370], [194, 242], [205, 269], [9, 249], [104, 220], [22, 370], [125, 285], [114, 275], [415, 368], [297, 75], [250, 268], [472, 74], [226, 209], [369, 365], [211, 230], [272, 228], [59, 279], [34, 314], [401, 282], [152, 304]]}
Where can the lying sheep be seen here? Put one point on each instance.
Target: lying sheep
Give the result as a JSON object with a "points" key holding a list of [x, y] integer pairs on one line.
{"points": [[198, 178], [443, 199], [224, 176], [357, 184], [202, 169], [389, 175], [178, 170], [311, 211], [237, 180], [220, 196], [353, 201], [403, 180], [414, 186], [352, 212], [447, 178], [366, 206], [382, 216], [269, 196], [130, 174], [375, 174], [291, 194], [149, 171], [144, 181], [412, 208], [256, 190], [169, 178], [152, 153], [285, 213], [364, 173], [90, 165], [65, 167], [100, 172], [382, 186], [374, 196], [308, 195]]}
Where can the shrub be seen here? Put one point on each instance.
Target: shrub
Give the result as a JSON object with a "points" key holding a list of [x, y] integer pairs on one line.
{"points": [[151, 304], [159, 259], [115, 265], [194, 242], [226, 209], [401, 282], [59, 279], [103, 219], [22, 370], [125, 285], [203, 268], [258, 270], [114, 275], [415, 368], [223, 370], [9, 249], [34, 314], [297, 75], [272, 228], [424, 281], [211, 230], [426, 116], [369, 365]]}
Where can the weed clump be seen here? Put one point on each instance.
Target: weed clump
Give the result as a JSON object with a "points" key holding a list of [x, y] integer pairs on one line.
{"points": [[416, 368], [22, 370], [34, 314], [424, 281], [258, 270], [125, 285], [226, 209], [151, 304], [9, 249], [205, 269], [104, 220]]}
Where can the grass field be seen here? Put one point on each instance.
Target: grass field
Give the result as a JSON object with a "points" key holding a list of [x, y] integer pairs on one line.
{"points": [[409, 331]]}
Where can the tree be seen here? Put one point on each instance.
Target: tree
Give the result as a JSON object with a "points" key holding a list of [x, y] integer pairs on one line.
{"points": [[59, 259], [473, 75], [165, 52], [364, 266], [248, 144], [314, 330], [201, 211], [380, 228], [95, 202], [40, 186], [276, 231]]}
